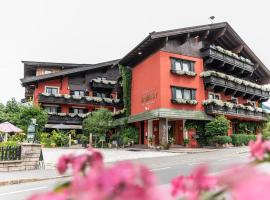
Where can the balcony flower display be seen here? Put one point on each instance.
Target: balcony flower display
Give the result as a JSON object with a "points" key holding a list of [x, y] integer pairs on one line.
{"points": [[62, 114], [234, 79], [230, 53], [258, 109], [72, 114], [82, 115], [58, 95], [96, 99], [110, 82], [250, 108], [46, 94], [228, 105], [78, 97], [67, 96], [119, 112], [213, 101], [116, 100], [181, 72], [108, 100], [186, 101]]}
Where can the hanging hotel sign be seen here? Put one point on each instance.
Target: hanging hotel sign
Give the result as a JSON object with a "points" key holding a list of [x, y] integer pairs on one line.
{"points": [[149, 96]]}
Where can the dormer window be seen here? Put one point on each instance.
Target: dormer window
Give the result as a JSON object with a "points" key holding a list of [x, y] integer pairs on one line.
{"points": [[182, 65]]}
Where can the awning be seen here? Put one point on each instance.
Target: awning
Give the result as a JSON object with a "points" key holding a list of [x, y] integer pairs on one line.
{"points": [[63, 126], [164, 113]]}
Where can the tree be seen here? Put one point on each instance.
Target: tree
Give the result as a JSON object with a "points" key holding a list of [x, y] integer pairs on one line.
{"points": [[218, 126], [99, 122]]}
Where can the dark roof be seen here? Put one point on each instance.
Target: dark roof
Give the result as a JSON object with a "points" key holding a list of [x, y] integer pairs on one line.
{"points": [[33, 79], [228, 37], [53, 64]]}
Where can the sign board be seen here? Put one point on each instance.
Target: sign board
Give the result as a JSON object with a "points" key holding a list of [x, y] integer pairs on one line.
{"points": [[31, 132]]}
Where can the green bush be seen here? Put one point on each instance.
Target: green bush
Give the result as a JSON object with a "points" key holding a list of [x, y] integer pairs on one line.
{"points": [[129, 134], [9, 143], [242, 139], [266, 136], [218, 126], [55, 138], [221, 139], [18, 137]]}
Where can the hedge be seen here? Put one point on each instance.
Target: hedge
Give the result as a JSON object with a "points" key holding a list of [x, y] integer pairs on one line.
{"points": [[219, 139], [240, 139]]}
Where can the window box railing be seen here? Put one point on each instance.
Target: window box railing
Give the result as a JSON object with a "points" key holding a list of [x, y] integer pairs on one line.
{"points": [[73, 99], [247, 89], [215, 107], [228, 58], [65, 118], [184, 101], [183, 73]]}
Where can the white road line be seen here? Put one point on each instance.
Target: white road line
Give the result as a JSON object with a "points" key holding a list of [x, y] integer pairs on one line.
{"points": [[20, 191], [159, 169]]}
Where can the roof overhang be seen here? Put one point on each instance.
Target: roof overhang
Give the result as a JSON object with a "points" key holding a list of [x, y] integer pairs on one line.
{"points": [[35, 79]]}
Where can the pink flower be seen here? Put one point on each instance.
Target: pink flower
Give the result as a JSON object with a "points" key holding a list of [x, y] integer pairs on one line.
{"points": [[63, 162], [191, 186], [79, 163], [246, 183], [257, 148], [48, 196]]}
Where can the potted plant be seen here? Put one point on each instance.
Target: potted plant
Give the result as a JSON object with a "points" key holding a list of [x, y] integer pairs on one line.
{"points": [[150, 141]]}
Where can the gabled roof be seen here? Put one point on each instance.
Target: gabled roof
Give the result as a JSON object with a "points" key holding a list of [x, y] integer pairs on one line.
{"points": [[54, 64], [220, 33], [33, 79]]}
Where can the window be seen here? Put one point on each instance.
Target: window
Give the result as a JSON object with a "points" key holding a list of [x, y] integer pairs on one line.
{"points": [[78, 110], [100, 94], [182, 65], [78, 93], [184, 93], [212, 95], [51, 109], [234, 100], [51, 90]]}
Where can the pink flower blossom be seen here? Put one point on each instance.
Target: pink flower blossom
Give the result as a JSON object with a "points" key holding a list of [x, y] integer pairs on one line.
{"points": [[191, 186], [257, 148], [63, 162], [48, 196]]}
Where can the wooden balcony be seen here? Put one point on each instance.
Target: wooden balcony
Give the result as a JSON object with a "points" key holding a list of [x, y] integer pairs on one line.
{"points": [[56, 119], [213, 58], [235, 89], [235, 112], [67, 99]]}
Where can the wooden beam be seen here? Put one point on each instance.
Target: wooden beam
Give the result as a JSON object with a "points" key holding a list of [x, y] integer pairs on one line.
{"points": [[219, 34], [238, 49]]}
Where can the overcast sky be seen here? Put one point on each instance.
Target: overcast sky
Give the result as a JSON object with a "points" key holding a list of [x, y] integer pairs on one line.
{"points": [[88, 31]]}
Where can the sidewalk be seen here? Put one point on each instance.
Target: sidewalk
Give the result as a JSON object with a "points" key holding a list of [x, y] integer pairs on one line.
{"points": [[8, 178]]}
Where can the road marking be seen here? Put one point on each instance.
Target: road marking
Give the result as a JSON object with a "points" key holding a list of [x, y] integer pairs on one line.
{"points": [[159, 169], [26, 190]]}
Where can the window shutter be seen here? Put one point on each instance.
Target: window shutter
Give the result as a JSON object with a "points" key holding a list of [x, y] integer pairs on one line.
{"points": [[71, 92], [192, 67], [70, 110], [172, 64], [85, 110], [193, 94]]}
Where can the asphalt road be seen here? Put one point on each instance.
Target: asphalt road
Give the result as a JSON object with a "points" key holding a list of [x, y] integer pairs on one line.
{"points": [[165, 169]]}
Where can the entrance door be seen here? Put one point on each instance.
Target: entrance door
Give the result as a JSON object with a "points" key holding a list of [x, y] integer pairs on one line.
{"points": [[142, 132]]}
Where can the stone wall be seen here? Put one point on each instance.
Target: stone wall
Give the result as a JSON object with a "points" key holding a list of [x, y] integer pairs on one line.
{"points": [[29, 159]]}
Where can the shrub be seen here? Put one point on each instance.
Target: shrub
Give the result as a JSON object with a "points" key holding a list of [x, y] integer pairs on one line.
{"points": [[221, 139], [129, 134], [266, 136], [218, 126], [242, 139], [9, 143], [18, 137]]}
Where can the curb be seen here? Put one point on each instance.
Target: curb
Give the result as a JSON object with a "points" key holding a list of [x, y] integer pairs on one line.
{"points": [[29, 180]]}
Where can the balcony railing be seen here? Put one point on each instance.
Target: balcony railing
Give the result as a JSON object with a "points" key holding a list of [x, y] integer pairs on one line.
{"points": [[226, 60], [235, 111], [235, 87], [105, 84], [65, 119], [68, 99]]}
